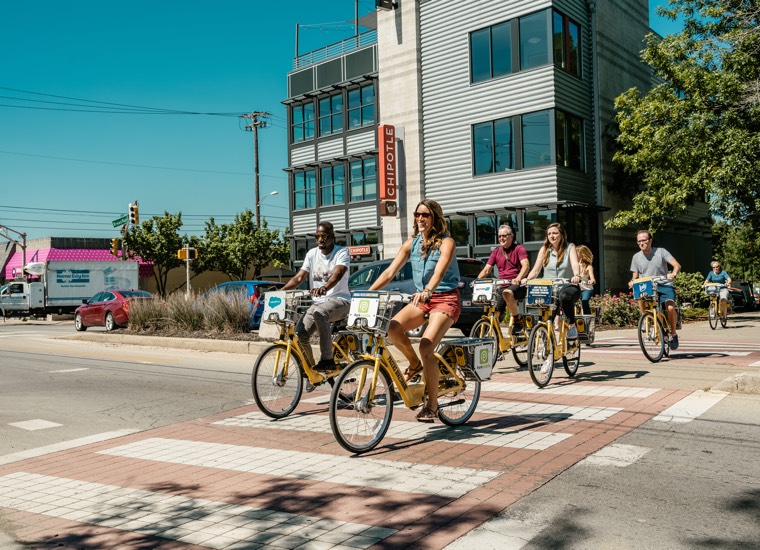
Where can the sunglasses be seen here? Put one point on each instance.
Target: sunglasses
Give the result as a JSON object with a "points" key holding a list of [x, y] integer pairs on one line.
{"points": [[643, 241], [423, 215], [323, 235], [506, 235]]}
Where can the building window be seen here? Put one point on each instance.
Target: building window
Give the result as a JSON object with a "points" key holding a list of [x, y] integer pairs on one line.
{"points": [[460, 231], [362, 180], [361, 106], [567, 43], [536, 223], [536, 140], [305, 190], [491, 52], [303, 122], [331, 114], [333, 185], [534, 47], [569, 131], [493, 147], [486, 227], [359, 239]]}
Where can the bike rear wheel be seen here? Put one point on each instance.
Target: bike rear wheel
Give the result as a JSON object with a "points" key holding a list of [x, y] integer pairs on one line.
{"points": [[540, 355], [724, 317], [572, 359], [277, 385], [651, 337], [484, 329], [359, 416], [712, 314], [456, 406]]}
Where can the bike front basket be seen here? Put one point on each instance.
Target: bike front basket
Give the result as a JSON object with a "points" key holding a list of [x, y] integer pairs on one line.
{"points": [[644, 287], [712, 290], [371, 310], [539, 293]]}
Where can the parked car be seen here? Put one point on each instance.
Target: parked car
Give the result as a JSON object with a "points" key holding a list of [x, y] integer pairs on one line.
{"points": [[253, 291], [403, 282], [743, 296], [109, 308]]}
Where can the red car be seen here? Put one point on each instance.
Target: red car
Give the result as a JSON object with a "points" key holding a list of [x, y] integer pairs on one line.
{"points": [[109, 309]]}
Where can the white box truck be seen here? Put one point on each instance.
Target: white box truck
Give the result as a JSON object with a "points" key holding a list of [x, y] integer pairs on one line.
{"points": [[63, 285]]}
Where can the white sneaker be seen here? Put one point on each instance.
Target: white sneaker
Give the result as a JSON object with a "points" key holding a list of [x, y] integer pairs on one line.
{"points": [[572, 333], [547, 365]]}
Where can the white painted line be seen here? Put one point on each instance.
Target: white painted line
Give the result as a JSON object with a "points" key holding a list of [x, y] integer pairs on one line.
{"points": [[67, 370], [617, 455], [36, 424], [64, 445], [195, 521], [681, 350], [408, 477], [690, 407], [495, 437], [502, 533], [572, 389], [755, 364]]}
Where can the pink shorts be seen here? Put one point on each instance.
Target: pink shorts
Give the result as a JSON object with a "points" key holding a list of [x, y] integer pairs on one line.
{"points": [[447, 303]]}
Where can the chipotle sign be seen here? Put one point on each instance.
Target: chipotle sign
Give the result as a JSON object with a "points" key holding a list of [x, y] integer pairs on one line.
{"points": [[386, 138]]}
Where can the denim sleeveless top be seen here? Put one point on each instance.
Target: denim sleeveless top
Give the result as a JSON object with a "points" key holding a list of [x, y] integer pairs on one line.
{"points": [[423, 268], [561, 271]]}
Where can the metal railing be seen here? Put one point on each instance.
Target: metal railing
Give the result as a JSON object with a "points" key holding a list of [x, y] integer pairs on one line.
{"points": [[335, 50]]}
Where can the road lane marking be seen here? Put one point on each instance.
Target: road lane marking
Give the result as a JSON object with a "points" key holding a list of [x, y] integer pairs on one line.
{"points": [[596, 390], [617, 455], [690, 407], [33, 425], [390, 475], [67, 370], [64, 445], [496, 437], [196, 521]]}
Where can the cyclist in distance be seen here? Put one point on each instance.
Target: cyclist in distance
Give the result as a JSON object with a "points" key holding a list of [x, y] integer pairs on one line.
{"points": [[558, 259], [511, 261], [436, 278], [585, 260], [327, 267], [652, 261], [721, 277]]}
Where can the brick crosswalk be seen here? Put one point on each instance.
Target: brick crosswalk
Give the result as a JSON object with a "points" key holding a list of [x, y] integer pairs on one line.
{"points": [[241, 480]]}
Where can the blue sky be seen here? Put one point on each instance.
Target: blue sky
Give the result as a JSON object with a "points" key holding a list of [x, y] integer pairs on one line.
{"points": [[67, 172]]}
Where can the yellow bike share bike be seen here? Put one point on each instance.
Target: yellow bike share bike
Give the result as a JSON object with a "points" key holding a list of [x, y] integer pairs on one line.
{"points": [[485, 292], [277, 380], [713, 311], [361, 403], [654, 327], [544, 346]]}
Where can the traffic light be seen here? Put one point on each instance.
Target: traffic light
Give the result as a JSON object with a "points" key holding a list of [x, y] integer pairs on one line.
{"points": [[115, 247], [134, 214]]}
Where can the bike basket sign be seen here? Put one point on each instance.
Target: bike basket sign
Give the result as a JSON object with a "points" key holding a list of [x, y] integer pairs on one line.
{"points": [[642, 287], [482, 360], [539, 292], [712, 289], [482, 291], [364, 305], [274, 302]]}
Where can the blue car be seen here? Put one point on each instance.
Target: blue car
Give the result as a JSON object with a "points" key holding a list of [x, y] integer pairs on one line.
{"points": [[253, 291]]}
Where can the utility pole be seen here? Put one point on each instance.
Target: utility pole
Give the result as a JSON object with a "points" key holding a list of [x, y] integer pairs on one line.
{"points": [[22, 243], [256, 122]]}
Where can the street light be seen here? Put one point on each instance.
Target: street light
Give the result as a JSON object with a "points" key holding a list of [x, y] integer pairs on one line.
{"points": [[258, 204]]}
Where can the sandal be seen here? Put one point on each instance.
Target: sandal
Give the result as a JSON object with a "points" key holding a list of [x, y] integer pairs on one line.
{"points": [[428, 414], [411, 371]]}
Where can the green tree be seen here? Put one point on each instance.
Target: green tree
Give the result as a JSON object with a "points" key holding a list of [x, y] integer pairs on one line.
{"points": [[239, 247], [695, 134], [157, 240], [741, 255]]}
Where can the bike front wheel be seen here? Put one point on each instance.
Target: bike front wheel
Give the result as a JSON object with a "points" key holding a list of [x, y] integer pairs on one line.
{"points": [[520, 353], [651, 337], [456, 405], [572, 360], [360, 413], [277, 381], [712, 314], [540, 355], [724, 317]]}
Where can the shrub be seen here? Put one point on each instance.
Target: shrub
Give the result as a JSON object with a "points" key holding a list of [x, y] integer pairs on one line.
{"points": [[620, 310], [184, 313], [227, 312], [147, 315], [689, 289]]}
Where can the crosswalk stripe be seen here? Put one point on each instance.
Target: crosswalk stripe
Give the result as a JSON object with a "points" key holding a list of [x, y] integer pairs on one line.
{"points": [[681, 349], [572, 389], [690, 407], [189, 520], [468, 435], [386, 474]]}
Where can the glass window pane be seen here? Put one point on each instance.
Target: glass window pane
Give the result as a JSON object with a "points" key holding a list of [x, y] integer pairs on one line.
{"points": [[297, 114], [357, 191], [575, 48], [354, 99], [297, 133], [460, 231], [368, 115], [324, 106], [308, 111], [485, 230], [536, 223], [354, 118], [370, 189], [502, 49], [575, 143], [368, 95], [337, 103], [536, 142], [482, 148], [324, 126], [534, 50], [503, 145], [308, 130], [337, 122], [480, 55], [558, 30], [369, 168], [561, 129], [355, 171]]}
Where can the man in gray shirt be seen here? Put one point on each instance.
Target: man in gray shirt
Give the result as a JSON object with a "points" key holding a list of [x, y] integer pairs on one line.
{"points": [[653, 262]]}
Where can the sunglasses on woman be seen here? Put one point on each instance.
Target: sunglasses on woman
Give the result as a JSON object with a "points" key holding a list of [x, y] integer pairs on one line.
{"points": [[424, 215]]}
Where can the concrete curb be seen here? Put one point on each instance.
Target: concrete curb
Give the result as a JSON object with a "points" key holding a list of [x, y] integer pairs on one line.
{"points": [[746, 383]]}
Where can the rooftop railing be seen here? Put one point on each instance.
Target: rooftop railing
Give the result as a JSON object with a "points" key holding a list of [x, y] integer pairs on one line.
{"points": [[335, 50]]}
